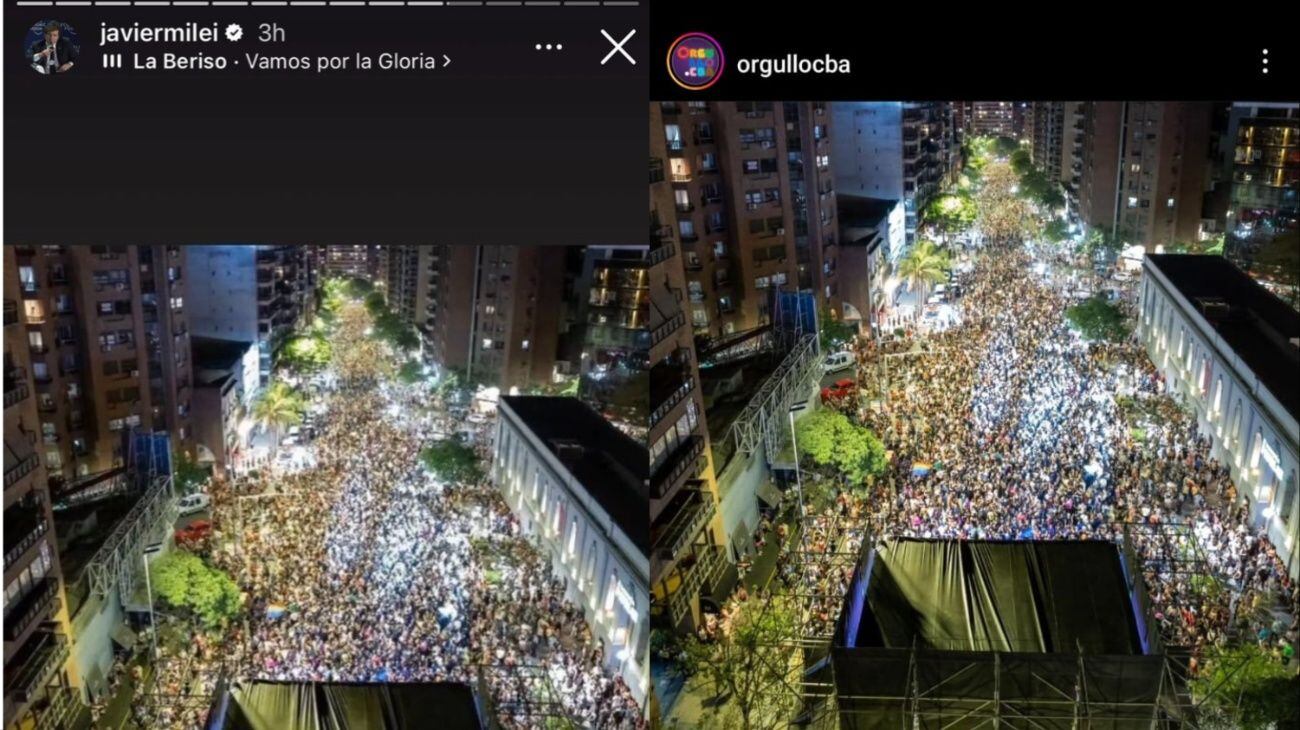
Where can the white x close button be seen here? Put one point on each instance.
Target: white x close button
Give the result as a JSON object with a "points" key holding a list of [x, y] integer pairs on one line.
{"points": [[618, 46]]}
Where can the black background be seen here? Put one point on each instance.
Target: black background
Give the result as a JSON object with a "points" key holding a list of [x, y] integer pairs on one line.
{"points": [[506, 145], [996, 52]]}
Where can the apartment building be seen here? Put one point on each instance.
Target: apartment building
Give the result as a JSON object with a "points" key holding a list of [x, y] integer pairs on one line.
{"points": [[1072, 124], [895, 151], [578, 486], [992, 118], [687, 548], [357, 260], [256, 294], [1047, 137], [1230, 350], [107, 330], [38, 689], [1263, 176], [753, 206], [1143, 171]]}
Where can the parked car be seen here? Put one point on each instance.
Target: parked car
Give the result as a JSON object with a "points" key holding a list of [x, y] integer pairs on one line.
{"points": [[842, 389], [196, 502], [838, 361]]}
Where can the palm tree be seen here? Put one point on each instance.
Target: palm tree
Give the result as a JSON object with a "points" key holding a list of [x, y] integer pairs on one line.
{"points": [[925, 264], [279, 406]]}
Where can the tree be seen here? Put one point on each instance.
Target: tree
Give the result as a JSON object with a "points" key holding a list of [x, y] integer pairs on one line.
{"points": [[1248, 689], [306, 353], [1210, 246], [752, 664], [188, 475], [1102, 241], [452, 462], [183, 581], [1097, 319], [376, 304], [951, 213], [410, 372], [924, 265], [1005, 146], [1020, 162], [357, 288], [834, 332], [830, 440], [1056, 231], [279, 406]]}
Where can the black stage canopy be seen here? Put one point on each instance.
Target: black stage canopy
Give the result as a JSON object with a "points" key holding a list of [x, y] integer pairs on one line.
{"points": [[950, 634], [348, 706]]}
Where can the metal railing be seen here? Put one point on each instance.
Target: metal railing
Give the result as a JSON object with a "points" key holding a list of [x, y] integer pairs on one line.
{"points": [[762, 424], [114, 565]]}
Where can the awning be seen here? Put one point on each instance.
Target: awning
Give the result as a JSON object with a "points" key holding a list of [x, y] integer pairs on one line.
{"points": [[205, 455], [742, 540], [124, 637], [768, 492]]}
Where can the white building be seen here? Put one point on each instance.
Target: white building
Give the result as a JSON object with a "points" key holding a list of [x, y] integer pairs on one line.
{"points": [[1231, 351], [579, 487]]}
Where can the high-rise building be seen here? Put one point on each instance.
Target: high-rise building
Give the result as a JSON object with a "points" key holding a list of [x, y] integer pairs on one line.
{"points": [[687, 557], [1048, 137], [608, 330], [517, 296], [1264, 177], [753, 206], [1143, 171], [250, 294], [357, 260], [36, 642], [107, 329], [894, 151], [492, 312], [1072, 152], [992, 118]]}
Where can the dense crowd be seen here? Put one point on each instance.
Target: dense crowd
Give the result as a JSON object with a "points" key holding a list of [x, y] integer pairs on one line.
{"points": [[1007, 427], [364, 568]]}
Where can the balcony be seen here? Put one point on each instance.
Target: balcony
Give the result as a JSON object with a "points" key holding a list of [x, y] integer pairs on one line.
{"points": [[662, 252], [665, 330], [685, 207], [35, 664], [24, 527], [688, 513], [702, 571], [32, 608], [670, 381], [20, 465], [11, 312], [15, 386], [682, 464]]}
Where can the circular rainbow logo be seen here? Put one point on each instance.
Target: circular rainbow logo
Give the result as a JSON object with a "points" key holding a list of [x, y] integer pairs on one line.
{"points": [[695, 61]]}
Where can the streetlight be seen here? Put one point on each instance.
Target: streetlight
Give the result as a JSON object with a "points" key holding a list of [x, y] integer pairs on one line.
{"points": [[798, 477]]}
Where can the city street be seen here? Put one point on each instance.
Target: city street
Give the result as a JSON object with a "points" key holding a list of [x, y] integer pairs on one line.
{"points": [[358, 565]]}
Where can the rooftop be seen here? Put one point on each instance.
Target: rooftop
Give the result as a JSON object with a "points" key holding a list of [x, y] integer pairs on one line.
{"points": [[211, 353], [611, 466], [860, 211], [1259, 327]]}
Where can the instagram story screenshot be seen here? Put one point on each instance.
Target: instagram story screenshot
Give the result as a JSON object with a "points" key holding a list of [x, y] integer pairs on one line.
{"points": [[953, 385]]}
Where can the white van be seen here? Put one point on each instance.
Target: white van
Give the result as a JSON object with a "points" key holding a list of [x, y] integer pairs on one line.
{"points": [[838, 361], [196, 502]]}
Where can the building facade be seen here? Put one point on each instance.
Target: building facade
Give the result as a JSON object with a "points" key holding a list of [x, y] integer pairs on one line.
{"points": [[1264, 181], [992, 118], [256, 294], [1230, 350], [226, 377], [568, 476], [107, 330], [38, 677], [753, 206], [895, 151], [688, 554], [1047, 138], [1144, 170]]}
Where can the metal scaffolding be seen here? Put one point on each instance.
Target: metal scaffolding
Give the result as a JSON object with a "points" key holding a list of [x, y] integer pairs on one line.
{"points": [[762, 424], [115, 564]]}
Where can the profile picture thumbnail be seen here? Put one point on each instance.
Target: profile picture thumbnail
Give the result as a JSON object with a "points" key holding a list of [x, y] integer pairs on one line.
{"points": [[51, 47]]}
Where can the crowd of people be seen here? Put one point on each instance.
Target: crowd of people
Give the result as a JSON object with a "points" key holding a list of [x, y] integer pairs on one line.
{"points": [[366, 568], [1006, 427]]}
